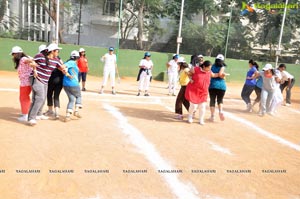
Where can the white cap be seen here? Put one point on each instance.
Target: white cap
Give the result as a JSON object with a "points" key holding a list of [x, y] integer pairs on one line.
{"points": [[200, 56], [81, 50], [181, 60], [220, 56], [268, 67], [42, 48], [16, 49], [52, 47], [74, 53]]}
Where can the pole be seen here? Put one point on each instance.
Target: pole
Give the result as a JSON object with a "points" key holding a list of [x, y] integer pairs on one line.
{"points": [[278, 52], [119, 36], [79, 25], [57, 22], [228, 31], [179, 38]]}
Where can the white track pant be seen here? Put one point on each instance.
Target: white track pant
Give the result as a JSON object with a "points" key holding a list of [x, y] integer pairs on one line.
{"points": [[144, 81], [173, 79], [202, 109], [111, 72]]}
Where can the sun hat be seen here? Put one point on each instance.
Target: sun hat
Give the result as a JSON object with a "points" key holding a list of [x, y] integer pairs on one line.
{"points": [[181, 60], [267, 67], [200, 56], [81, 50], [74, 53], [42, 48], [111, 49], [16, 49], [220, 56], [52, 47]]}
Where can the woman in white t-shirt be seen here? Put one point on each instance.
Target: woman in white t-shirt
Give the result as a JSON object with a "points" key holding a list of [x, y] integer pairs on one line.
{"points": [[110, 67], [145, 74], [173, 69]]}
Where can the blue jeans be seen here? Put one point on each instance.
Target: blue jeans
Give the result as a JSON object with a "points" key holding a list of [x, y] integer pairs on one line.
{"points": [[74, 95], [265, 101], [246, 92]]}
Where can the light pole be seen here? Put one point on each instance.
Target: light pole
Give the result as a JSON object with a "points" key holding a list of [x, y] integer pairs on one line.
{"points": [[228, 31], [79, 25], [179, 38], [57, 22], [278, 51]]}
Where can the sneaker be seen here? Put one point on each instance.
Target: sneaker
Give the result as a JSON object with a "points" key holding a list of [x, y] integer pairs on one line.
{"points": [[287, 104], [170, 94], [271, 113], [32, 122], [138, 94], [249, 108], [212, 119], [146, 94], [76, 113], [221, 115], [261, 114], [179, 117], [67, 118], [56, 116], [83, 89], [101, 92], [173, 94], [23, 118], [42, 117], [48, 113], [113, 92], [190, 119], [201, 122]]}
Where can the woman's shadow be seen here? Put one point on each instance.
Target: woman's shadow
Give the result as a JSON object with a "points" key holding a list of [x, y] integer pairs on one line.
{"points": [[9, 114]]}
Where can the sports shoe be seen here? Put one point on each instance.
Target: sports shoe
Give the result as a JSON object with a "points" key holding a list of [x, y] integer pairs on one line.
{"points": [[23, 118], [201, 122], [173, 94], [271, 113], [101, 91], [212, 118], [42, 117], [76, 113], [138, 94], [179, 117], [190, 119], [287, 104], [113, 92], [221, 115], [48, 113], [83, 89], [32, 122], [249, 108], [261, 114], [146, 94], [67, 118]]}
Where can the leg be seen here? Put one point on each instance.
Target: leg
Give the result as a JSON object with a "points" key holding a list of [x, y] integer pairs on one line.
{"points": [[220, 96], [39, 92], [192, 108], [288, 92], [202, 109], [212, 103]]}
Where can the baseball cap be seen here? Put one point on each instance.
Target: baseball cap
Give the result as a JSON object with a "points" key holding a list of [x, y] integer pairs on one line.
{"points": [[267, 67], [111, 49], [16, 49], [81, 50], [147, 54], [200, 56], [52, 47], [176, 56], [74, 53], [220, 56], [42, 48]]}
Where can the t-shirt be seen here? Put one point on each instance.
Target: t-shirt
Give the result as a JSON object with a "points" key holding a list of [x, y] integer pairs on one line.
{"points": [[269, 83], [82, 64], [109, 60], [183, 77], [173, 66], [251, 71], [72, 70], [148, 65], [217, 83], [24, 71], [286, 76]]}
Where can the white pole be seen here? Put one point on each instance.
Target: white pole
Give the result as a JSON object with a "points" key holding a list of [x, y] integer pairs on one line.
{"points": [[179, 38], [57, 22], [228, 31], [278, 52]]}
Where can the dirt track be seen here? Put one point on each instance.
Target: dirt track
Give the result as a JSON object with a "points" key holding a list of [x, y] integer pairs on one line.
{"points": [[245, 156]]}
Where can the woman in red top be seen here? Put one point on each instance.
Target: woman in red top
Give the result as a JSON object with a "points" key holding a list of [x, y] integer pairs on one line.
{"points": [[82, 64], [197, 90]]}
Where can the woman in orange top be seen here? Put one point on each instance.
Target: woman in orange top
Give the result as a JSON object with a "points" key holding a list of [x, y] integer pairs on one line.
{"points": [[82, 64]]}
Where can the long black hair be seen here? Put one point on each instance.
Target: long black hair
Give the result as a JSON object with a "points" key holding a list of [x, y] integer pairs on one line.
{"points": [[251, 61], [205, 64], [17, 58]]}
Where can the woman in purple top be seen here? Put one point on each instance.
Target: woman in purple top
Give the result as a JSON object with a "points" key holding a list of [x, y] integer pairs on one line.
{"points": [[249, 85]]}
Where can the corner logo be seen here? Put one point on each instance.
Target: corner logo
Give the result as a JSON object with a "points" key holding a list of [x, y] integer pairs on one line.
{"points": [[277, 8]]}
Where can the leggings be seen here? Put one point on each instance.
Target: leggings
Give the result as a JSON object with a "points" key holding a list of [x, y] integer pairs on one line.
{"points": [[216, 94], [54, 88]]}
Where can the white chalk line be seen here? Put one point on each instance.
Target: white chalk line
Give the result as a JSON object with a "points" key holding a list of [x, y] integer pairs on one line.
{"points": [[219, 148], [180, 189]]}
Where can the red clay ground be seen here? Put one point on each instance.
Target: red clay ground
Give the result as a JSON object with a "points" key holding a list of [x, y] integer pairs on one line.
{"points": [[126, 132]]}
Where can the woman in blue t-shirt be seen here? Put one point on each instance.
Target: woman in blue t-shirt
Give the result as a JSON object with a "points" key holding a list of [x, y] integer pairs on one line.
{"points": [[72, 87], [249, 85]]}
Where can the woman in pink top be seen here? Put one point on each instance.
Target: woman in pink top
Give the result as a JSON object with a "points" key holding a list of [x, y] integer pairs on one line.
{"points": [[197, 90], [23, 64]]}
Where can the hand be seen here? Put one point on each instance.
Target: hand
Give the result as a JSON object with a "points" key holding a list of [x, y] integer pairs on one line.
{"points": [[35, 73]]}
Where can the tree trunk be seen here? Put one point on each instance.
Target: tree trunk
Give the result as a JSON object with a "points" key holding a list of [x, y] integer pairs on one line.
{"points": [[140, 26], [3, 10]]}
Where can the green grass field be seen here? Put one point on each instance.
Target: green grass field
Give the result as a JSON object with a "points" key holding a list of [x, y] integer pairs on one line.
{"points": [[128, 60]]}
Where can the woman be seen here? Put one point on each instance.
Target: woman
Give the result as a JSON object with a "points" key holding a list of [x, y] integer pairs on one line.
{"points": [[45, 65], [249, 84], [183, 80], [24, 65], [110, 69], [72, 87], [145, 74], [197, 90], [287, 82], [217, 87], [83, 66], [173, 74]]}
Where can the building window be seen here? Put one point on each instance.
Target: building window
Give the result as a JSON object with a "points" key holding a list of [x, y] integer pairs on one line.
{"points": [[110, 7]]}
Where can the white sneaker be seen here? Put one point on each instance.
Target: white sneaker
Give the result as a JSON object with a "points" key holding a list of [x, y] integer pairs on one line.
{"points": [[49, 113], [32, 122], [42, 117], [23, 118], [201, 122], [190, 119], [287, 104]]}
